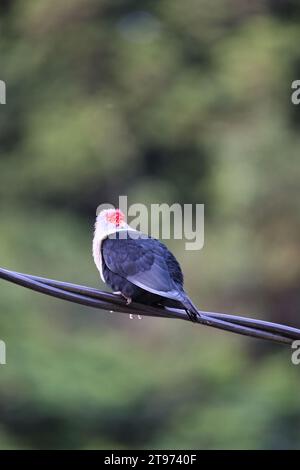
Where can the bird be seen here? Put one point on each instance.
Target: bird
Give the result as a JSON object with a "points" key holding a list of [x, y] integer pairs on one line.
{"points": [[136, 266]]}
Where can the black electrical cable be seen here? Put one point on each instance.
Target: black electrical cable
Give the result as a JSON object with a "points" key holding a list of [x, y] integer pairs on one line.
{"points": [[104, 300]]}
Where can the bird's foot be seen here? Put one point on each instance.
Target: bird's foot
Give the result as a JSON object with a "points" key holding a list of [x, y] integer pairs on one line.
{"points": [[128, 302], [128, 299]]}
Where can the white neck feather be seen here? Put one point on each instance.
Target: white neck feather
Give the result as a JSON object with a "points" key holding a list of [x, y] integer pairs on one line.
{"points": [[100, 234]]}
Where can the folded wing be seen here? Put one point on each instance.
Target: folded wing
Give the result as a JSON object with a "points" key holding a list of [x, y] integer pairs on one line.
{"points": [[145, 262]]}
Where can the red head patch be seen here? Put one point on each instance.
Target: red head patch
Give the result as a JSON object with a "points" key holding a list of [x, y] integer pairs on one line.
{"points": [[115, 217]]}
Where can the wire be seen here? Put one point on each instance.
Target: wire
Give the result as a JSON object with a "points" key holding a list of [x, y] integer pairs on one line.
{"points": [[95, 298]]}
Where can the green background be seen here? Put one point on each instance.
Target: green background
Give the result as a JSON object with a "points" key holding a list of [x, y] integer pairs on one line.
{"points": [[164, 101]]}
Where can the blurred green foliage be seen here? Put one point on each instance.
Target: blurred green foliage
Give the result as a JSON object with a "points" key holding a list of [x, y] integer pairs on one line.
{"points": [[168, 101]]}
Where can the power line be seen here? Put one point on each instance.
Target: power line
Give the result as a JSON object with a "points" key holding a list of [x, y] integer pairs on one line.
{"points": [[95, 298]]}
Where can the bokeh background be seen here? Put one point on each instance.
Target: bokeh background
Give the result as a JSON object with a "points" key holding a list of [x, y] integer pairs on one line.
{"points": [[163, 101]]}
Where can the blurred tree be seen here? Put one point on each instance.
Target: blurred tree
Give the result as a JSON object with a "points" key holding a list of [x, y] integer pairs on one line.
{"points": [[172, 101]]}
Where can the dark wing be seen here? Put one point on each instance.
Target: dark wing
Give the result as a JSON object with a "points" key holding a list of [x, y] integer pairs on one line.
{"points": [[145, 262]]}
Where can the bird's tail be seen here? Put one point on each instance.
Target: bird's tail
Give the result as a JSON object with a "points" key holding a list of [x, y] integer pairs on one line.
{"points": [[190, 308]]}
